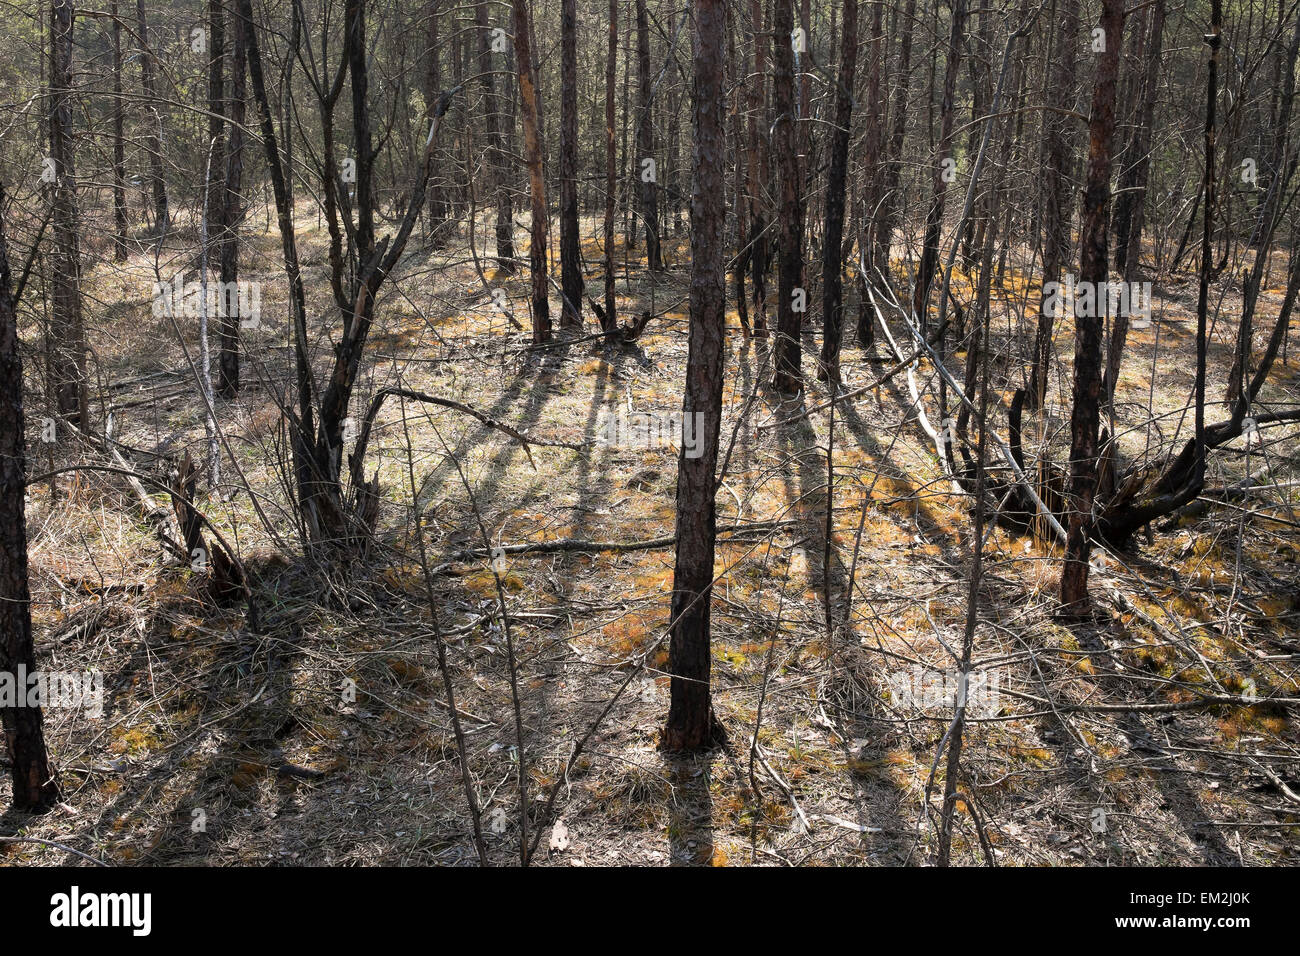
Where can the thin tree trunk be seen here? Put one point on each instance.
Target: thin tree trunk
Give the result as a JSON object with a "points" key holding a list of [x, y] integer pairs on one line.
{"points": [[691, 724], [214, 198], [832, 261], [1130, 203], [571, 281], [68, 347], [436, 204], [1057, 208], [153, 133], [119, 142], [610, 318], [531, 107], [496, 155], [941, 163], [646, 174], [232, 216], [787, 376], [1093, 262], [758, 172], [34, 787]]}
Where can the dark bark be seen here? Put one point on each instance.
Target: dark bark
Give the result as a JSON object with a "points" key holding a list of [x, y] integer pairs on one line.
{"points": [[691, 723], [34, 787], [889, 199], [531, 111], [153, 128], [787, 377], [832, 253], [1056, 191], [943, 153], [233, 213], [610, 319], [119, 143], [1093, 263], [436, 206], [216, 117], [645, 143], [758, 172], [1130, 203], [496, 155], [67, 348], [571, 282]]}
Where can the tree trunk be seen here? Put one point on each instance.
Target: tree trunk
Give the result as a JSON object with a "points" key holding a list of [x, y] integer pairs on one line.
{"points": [[1093, 262], [1057, 207], [889, 199], [33, 777], [215, 191], [610, 319], [646, 174], [531, 106], [785, 143], [436, 205], [691, 723], [153, 133], [832, 261], [1130, 203], [232, 215], [571, 282], [119, 143], [758, 172], [941, 163], [496, 155], [68, 346]]}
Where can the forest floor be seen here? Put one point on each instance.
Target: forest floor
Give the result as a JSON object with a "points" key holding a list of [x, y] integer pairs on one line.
{"points": [[326, 739]]}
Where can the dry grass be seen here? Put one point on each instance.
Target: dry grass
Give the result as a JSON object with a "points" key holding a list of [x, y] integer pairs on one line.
{"points": [[260, 733]]}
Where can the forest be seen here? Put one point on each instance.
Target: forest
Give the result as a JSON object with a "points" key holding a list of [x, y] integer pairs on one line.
{"points": [[514, 433]]}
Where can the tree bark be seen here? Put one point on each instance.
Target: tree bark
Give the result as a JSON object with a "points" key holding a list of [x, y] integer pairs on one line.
{"points": [[832, 254], [153, 134], [531, 106], [1057, 207], [788, 377], [691, 724], [232, 215], [496, 155], [119, 142], [645, 143], [571, 282], [68, 346], [34, 787], [1093, 262]]}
